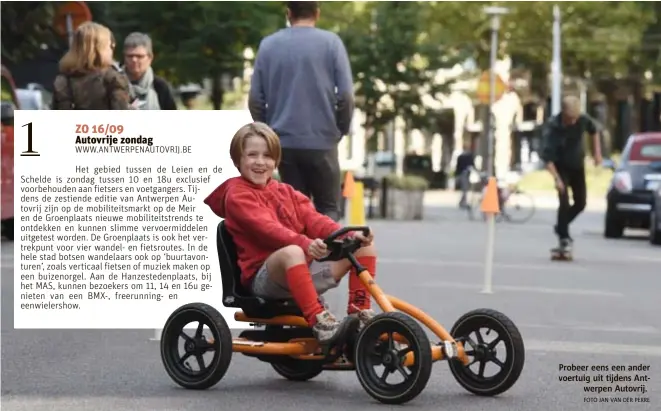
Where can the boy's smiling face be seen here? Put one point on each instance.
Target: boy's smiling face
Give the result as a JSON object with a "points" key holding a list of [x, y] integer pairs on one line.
{"points": [[257, 164]]}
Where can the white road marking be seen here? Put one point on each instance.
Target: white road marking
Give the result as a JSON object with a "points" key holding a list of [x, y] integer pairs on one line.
{"points": [[517, 288], [592, 348], [598, 328], [645, 258], [479, 264]]}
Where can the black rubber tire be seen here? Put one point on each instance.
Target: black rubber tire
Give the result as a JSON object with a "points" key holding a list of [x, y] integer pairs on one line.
{"points": [[531, 207], [421, 347], [488, 318], [292, 368], [655, 233], [474, 203], [222, 344], [613, 226], [298, 370]]}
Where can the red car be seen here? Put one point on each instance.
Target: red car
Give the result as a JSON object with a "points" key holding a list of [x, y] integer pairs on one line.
{"points": [[8, 104], [636, 180]]}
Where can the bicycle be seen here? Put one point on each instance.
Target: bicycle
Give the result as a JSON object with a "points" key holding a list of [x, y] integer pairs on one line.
{"points": [[516, 206]]}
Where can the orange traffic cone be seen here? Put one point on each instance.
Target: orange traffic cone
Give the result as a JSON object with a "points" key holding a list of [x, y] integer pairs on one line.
{"points": [[349, 185], [490, 203]]}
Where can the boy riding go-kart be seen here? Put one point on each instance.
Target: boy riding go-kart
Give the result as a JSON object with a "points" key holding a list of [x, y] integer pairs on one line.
{"points": [[279, 234], [274, 247]]}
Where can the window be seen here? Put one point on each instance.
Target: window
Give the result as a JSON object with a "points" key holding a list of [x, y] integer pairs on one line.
{"points": [[646, 151], [651, 151]]}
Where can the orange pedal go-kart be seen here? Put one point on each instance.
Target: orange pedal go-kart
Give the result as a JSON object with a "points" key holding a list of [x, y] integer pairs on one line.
{"points": [[393, 340]]}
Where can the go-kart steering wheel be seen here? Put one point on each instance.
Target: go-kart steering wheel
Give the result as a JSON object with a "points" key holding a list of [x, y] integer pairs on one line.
{"points": [[341, 249]]}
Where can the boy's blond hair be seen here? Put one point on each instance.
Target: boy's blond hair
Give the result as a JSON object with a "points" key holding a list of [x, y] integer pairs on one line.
{"points": [[258, 129]]}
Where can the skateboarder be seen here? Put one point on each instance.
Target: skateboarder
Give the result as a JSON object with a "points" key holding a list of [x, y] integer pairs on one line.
{"points": [[564, 155]]}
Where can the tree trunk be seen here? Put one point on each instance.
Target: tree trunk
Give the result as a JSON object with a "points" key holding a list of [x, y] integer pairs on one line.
{"points": [[637, 95], [609, 89], [216, 92]]}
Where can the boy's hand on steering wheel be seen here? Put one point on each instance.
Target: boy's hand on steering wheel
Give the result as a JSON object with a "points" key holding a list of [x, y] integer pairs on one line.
{"points": [[318, 249], [364, 240]]}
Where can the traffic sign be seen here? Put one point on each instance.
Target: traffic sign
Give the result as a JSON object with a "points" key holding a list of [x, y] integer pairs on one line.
{"points": [[483, 87], [79, 13]]}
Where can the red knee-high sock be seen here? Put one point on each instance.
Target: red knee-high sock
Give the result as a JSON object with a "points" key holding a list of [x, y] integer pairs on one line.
{"points": [[303, 291], [359, 298]]}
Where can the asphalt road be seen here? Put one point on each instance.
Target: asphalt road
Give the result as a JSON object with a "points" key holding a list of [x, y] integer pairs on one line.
{"points": [[602, 309]]}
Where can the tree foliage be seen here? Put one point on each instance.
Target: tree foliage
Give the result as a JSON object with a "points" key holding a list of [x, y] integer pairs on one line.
{"points": [[597, 42], [196, 39], [394, 59], [395, 48], [26, 26]]}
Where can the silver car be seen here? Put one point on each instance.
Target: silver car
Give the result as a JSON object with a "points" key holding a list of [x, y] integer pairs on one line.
{"points": [[636, 181], [34, 97]]}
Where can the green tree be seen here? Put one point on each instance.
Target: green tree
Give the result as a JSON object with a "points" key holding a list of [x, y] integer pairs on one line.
{"points": [[394, 60], [608, 47], [196, 40], [596, 41], [26, 26], [650, 46]]}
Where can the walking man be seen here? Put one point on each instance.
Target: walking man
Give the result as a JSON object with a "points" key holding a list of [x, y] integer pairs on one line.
{"points": [[564, 154], [302, 87]]}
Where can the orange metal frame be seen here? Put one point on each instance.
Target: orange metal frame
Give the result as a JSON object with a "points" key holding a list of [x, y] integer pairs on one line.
{"points": [[308, 349]]}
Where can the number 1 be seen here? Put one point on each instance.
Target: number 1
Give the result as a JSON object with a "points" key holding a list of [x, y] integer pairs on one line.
{"points": [[30, 152]]}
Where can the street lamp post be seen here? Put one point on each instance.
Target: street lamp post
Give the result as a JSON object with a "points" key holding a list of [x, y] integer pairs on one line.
{"points": [[494, 13], [556, 63]]}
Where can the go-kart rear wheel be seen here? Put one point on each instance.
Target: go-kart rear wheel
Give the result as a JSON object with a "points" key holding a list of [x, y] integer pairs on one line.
{"points": [[179, 346], [372, 351], [508, 340], [298, 370]]}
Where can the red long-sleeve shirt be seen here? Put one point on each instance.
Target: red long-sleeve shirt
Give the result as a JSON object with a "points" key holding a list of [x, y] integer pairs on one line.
{"points": [[261, 220]]}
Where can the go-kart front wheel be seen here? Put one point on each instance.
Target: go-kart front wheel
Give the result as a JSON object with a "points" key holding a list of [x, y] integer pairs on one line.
{"points": [[475, 377], [372, 350], [183, 349]]}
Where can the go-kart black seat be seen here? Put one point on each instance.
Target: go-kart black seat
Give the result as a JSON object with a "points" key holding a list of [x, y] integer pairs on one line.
{"points": [[235, 294]]}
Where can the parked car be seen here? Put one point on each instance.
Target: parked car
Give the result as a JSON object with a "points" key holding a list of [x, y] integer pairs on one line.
{"points": [[635, 182], [8, 104], [34, 97], [655, 219]]}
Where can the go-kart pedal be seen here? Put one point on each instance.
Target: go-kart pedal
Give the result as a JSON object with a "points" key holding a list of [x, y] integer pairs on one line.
{"points": [[348, 326]]}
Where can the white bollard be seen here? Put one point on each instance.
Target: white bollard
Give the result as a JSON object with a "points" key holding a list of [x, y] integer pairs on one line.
{"points": [[157, 335], [488, 264]]}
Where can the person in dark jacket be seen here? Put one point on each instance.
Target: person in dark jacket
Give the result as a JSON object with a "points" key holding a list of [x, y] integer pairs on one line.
{"points": [[465, 163], [564, 155], [148, 91], [87, 79], [302, 87]]}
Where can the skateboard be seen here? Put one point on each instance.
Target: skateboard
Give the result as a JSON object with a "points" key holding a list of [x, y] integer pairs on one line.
{"points": [[559, 254]]}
